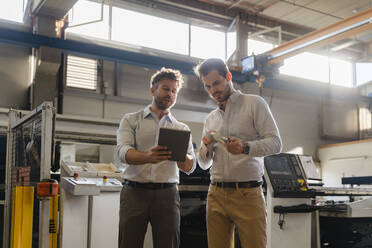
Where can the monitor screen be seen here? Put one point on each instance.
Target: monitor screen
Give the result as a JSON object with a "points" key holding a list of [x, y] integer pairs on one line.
{"points": [[248, 64], [279, 166]]}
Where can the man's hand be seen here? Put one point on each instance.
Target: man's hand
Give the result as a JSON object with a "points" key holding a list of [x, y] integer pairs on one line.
{"points": [[206, 141], [158, 154], [186, 165], [234, 146]]}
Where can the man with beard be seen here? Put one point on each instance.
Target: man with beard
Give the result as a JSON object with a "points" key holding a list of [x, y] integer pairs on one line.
{"points": [[236, 137], [150, 191]]}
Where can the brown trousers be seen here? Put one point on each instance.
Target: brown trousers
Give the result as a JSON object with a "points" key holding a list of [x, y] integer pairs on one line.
{"points": [[243, 208], [160, 207]]}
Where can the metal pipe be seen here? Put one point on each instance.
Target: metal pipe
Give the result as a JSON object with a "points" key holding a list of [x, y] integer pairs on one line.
{"points": [[306, 44], [337, 31]]}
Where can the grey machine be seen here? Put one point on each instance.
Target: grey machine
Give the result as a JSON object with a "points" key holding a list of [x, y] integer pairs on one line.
{"points": [[300, 213]]}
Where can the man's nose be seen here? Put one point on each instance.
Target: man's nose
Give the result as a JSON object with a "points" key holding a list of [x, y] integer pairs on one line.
{"points": [[212, 90]]}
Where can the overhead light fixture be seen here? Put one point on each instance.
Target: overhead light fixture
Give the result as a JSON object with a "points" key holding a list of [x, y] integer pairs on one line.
{"points": [[344, 45]]}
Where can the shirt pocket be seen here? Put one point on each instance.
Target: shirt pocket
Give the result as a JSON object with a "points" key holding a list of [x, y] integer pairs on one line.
{"points": [[145, 138], [243, 128]]}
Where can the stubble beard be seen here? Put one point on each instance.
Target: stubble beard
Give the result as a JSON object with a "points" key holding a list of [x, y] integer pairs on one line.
{"points": [[160, 105]]}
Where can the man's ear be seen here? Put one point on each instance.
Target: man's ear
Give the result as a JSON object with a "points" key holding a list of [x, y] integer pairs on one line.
{"points": [[228, 76], [152, 89]]}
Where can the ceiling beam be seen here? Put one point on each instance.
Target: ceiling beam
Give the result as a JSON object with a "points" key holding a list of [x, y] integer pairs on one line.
{"points": [[356, 24]]}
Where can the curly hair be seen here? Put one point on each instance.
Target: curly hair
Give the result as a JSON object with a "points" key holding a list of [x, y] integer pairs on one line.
{"points": [[167, 73]]}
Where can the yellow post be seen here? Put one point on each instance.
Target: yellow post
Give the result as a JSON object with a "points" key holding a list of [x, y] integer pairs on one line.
{"points": [[53, 222], [22, 217]]}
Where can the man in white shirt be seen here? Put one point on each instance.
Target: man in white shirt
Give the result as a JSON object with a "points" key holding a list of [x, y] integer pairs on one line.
{"points": [[150, 191], [236, 137]]}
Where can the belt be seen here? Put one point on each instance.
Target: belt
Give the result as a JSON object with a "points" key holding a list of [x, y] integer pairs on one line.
{"points": [[250, 184], [149, 185]]}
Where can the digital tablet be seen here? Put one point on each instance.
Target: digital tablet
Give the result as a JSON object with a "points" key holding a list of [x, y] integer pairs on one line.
{"points": [[176, 140]]}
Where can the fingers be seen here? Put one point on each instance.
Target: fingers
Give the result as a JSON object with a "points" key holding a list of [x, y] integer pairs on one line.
{"points": [[233, 145], [160, 153], [206, 141], [159, 148]]}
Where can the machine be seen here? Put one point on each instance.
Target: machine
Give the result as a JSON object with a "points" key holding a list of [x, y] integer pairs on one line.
{"points": [[298, 216], [90, 201]]}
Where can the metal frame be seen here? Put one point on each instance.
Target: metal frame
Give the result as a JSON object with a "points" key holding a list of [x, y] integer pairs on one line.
{"points": [[47, 128], [7, 206]]}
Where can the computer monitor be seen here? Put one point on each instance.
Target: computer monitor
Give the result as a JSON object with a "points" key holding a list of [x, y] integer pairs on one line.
{"points": [[248, 64]]}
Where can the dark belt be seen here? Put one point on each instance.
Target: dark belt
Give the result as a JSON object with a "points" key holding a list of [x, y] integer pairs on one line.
{"points": [[250, 184], [149, 185]]}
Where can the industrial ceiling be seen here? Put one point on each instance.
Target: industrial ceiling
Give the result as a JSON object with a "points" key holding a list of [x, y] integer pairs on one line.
{"points": [[295, 17]]}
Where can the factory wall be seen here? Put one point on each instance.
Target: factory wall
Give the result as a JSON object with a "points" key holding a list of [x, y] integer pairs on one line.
{"points": [[125, 88], [297, 115], [14, 76]]}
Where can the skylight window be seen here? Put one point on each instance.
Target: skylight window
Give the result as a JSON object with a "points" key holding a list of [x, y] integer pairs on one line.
{"points": [[86, 18], [149, 31], [307, 65], [12, 10], [207, 43], [363, 73]]}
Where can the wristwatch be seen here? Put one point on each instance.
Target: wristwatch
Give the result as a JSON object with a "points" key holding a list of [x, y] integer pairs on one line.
{"points": [[246, 148]]}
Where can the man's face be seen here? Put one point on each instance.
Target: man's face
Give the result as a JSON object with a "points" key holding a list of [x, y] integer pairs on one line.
{"points": [[165, 93], [217, 86]]}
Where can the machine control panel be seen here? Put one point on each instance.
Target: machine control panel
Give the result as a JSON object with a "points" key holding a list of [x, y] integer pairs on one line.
{"points": [[89, 186], [286, 176]]}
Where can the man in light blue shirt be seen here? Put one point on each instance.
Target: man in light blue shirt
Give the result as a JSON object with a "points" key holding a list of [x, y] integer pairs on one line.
{"points": [[150, 193], [236, 137]]}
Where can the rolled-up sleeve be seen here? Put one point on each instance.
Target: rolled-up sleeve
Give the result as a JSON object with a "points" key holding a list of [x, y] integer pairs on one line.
{"points": [[191, 153], [205, 153], [269, 141], [125, 138]]}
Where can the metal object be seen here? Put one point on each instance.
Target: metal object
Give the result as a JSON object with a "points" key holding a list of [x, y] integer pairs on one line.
{"points": [[37, 125], [335, 32]]}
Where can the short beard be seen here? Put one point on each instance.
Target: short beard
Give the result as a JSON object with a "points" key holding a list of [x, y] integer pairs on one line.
{"points": [[160, 105], [227, 95]]}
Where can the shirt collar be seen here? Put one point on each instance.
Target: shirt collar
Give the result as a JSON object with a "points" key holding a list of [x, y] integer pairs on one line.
{"points": [[233, 98], [147, 112]]}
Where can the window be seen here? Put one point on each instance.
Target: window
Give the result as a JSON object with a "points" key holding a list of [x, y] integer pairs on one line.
{"points": [[149, 31], [231, 44], [12, 10], [363, 73], [307, 65], [207, 43], [81, 73], [85, 12], [258, 47], [340, 72]]}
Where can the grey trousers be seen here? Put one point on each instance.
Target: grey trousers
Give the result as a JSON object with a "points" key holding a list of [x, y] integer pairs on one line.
{"points": [[160, 207]]}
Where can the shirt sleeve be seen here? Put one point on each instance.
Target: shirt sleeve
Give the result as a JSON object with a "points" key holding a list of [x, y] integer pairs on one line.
{"points": [[190, 152], [205, 153], [269, 141], [125, 138]]}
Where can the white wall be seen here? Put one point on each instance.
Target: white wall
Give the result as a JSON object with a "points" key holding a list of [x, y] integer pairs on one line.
{"points": [[297, 116], [345, 160]]}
